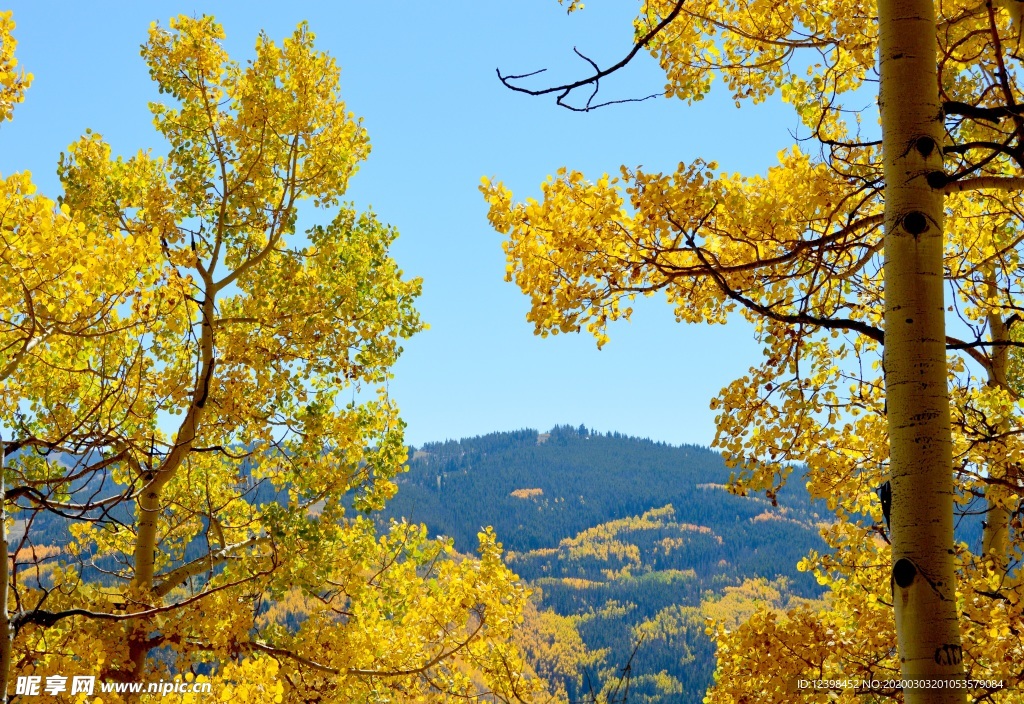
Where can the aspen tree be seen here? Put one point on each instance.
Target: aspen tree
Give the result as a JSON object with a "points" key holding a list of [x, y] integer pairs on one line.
{"points": [[839, 256], [196, 398], [917, 401]]}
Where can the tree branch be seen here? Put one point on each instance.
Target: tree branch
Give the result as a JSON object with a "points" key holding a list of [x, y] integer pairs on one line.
{"points": [[567, 88], [955, 107], [46, 618], [362, 672], [201, 564], [1002, 183]]}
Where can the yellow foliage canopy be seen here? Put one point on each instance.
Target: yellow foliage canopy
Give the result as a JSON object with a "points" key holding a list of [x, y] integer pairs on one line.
{"points": [[799, 252], [181, 370], [12, 82]]}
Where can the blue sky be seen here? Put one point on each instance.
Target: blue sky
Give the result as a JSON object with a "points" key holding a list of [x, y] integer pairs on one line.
{"points": [[422, 77]]}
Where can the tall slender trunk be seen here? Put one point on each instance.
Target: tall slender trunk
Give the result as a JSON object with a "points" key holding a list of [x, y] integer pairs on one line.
{"points": [[995, 537], [917, 396], [149, 504]]}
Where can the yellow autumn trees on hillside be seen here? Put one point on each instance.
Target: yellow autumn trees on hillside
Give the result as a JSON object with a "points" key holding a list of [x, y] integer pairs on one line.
{"points": [[883, 280], [195, 390]]}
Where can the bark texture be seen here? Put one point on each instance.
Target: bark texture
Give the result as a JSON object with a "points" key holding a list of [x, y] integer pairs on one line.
{"points": [[923, 578], [995, 538]]}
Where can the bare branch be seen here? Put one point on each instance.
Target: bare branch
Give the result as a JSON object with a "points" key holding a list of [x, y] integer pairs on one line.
{"points": [[444, 654], [201, 564], [565, 89], [1002, 183]]}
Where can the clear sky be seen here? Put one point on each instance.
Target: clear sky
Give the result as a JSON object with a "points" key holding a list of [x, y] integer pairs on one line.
{"points": [[422, 75]]}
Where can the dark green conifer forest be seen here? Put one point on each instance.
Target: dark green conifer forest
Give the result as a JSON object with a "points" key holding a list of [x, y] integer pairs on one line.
{"points": [[639, 542]]}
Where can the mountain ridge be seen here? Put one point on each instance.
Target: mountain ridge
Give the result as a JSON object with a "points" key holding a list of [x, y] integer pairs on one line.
{"points": [[628, 540]]}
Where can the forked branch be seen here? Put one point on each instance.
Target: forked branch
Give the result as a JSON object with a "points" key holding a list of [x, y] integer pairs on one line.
{"points": [[566, 89]]}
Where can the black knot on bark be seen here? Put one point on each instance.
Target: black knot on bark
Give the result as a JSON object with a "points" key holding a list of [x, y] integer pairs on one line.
{"points": [[936, 179], [903, 573], [915, 222], [925, 146]]}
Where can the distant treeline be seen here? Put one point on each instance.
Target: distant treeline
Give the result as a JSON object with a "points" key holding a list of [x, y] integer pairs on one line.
{"points": [[626, 535]]}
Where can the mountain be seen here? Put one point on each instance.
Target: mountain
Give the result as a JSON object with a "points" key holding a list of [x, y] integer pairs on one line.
{"points": [[630, 546], [632, 541]]}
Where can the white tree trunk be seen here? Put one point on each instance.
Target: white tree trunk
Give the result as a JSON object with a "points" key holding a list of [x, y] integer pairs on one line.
{"points": [[917, 397]]}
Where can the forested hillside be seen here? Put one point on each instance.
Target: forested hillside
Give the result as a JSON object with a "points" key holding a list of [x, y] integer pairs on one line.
{"points": [[634, 541], [629, 545]]}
